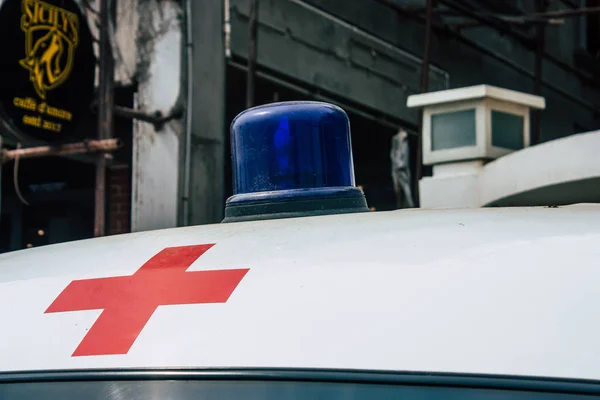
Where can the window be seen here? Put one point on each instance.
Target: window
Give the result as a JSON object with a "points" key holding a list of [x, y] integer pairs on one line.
{"points": [[453, 129], [507, 130], [240, 389]]}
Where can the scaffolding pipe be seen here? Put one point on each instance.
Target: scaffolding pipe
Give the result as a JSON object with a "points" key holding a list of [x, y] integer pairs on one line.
{"points": [[91, 146], [564, 13], [105, 114], [423, 88], [536, 120]]}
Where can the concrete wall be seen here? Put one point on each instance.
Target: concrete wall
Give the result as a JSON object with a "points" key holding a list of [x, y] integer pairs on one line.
{"points": [[314, 46], [365, 51], [148, 52]]}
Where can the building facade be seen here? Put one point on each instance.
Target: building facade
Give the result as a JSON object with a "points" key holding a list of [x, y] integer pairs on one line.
{"points": [[186, 61]]}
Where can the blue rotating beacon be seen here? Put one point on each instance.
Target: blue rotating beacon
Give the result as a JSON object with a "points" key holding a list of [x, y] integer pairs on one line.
{"points": [[292, 159]]}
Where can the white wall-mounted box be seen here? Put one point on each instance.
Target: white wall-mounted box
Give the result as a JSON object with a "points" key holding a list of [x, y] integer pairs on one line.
{"points": [[474, 123]]}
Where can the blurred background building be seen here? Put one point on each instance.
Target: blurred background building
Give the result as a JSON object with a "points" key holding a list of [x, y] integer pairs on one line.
{"points": [[180, 70]]}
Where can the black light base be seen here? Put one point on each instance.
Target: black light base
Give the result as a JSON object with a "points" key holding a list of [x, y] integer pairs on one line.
{"points": [[352, 202]]}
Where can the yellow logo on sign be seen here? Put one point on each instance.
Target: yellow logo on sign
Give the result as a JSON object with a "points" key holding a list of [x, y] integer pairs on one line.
{"points": [[51, 36]]}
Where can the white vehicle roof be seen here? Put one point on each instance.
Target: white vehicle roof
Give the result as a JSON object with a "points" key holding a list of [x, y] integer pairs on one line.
{"points": [[483, 291]]}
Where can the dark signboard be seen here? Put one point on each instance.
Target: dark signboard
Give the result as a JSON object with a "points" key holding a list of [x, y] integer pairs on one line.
{"points": [[47, 68]]}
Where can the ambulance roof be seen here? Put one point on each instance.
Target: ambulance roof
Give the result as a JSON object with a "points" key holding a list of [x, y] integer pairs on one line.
{"points": [[483, 291]]}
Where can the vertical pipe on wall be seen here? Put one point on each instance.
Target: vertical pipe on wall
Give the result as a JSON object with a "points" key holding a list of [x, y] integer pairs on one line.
{"points": [[105, 116], [423, 88], [540, 36]]}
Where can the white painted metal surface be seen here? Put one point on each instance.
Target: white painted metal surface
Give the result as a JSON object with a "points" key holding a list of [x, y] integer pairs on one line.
{"points": [[498, 291], [562, 171], [482, 101], [453, 185]]}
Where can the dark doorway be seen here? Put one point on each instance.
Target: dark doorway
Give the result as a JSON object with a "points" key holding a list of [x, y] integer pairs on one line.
{"points": [[60, 203]]}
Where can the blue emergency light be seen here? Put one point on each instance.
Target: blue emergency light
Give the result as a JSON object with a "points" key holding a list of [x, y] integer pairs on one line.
{"points": [[292, 159]]}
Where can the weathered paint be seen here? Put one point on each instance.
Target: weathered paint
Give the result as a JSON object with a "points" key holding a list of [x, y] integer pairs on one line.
{"points": [[495, 291], [318, 48], [156, 153], [125, 48]]}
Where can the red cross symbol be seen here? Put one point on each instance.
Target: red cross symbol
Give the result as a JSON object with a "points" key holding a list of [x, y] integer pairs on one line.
{"points": [[128, 302]]}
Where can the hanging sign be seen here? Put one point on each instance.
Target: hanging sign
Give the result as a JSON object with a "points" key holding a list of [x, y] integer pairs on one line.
{"points": [[47, 68]]}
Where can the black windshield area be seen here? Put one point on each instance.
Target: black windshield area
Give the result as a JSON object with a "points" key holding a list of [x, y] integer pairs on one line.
{"points": [[259, 389]]}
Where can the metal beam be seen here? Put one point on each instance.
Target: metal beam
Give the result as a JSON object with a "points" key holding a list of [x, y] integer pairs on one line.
{"points": [[567, 13]]}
